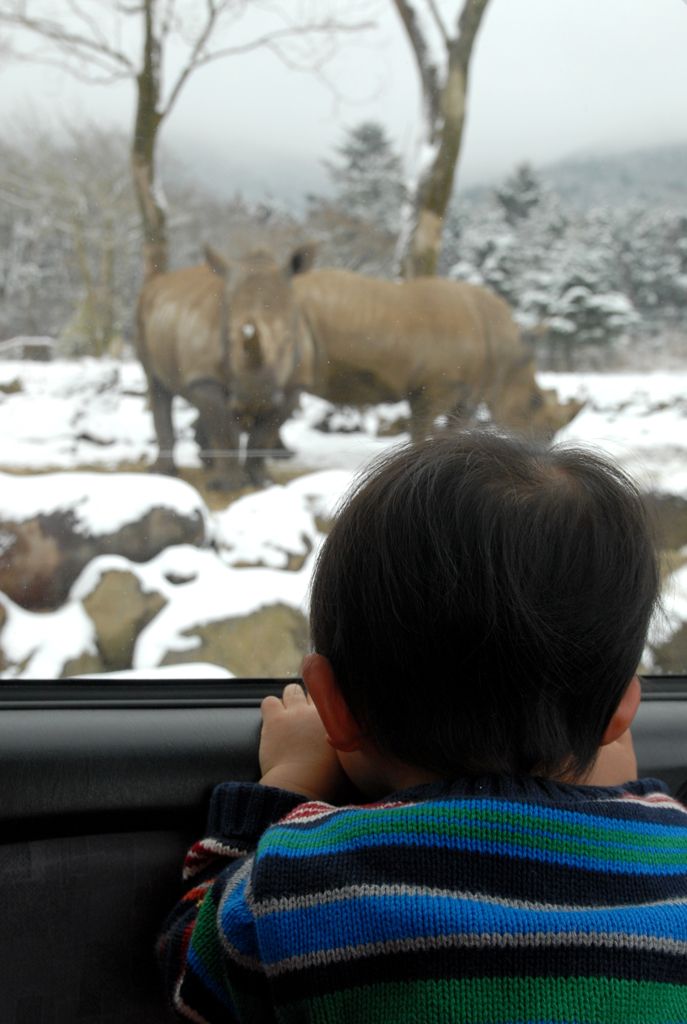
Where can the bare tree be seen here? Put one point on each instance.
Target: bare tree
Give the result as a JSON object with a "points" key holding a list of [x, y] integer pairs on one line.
{"points": [[94, 41], [443, 61], [69, 235]]}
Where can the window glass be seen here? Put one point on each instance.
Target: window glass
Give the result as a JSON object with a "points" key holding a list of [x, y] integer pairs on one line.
{"points": [[207, 216]]}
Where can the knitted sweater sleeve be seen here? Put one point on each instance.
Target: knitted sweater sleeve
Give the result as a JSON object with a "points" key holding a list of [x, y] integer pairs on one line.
{"points": [[213, 972]]}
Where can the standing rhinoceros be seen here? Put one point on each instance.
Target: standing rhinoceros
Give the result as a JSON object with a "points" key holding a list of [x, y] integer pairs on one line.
{"points": [[446, 346], [232, 341]]}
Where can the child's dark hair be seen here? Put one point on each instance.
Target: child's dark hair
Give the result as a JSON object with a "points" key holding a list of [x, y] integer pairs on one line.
{"points": [[484, 600]]}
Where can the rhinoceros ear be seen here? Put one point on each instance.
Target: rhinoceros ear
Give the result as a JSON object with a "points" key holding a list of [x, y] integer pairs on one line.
{"points": [[301, 259], [215, 261]]}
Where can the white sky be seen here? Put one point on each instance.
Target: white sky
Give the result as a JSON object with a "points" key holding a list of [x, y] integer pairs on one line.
{"points": [[550, 78]]}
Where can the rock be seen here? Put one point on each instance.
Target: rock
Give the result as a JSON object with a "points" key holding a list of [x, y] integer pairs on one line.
{"points": [[12, 388], [3, 617], [670, 512], [671, 657], [52, 525], [84, 665], [120, 609], [29, 347], [267, 643], [30, 562]]}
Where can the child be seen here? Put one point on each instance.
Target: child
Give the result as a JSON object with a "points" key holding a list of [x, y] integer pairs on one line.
{"points": [[478, 613]]}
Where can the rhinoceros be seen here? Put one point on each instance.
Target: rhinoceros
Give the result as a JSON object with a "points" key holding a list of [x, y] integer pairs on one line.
{"points": [[232, 341], [446, 346]]}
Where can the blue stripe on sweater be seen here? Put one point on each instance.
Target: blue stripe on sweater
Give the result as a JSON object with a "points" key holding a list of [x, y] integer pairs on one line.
{"points": [[387, 918], [237, 921]]}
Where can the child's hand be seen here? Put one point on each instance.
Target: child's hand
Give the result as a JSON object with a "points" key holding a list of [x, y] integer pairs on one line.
{"points": [[615, 764], [294, 753]]}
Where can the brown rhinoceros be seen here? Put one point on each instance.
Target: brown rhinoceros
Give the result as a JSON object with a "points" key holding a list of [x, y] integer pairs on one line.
{"points": [[446, 346], [232, 341]]}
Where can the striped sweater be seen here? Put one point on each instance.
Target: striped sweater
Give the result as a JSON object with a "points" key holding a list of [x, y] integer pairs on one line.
{"points": [[487, 900]]}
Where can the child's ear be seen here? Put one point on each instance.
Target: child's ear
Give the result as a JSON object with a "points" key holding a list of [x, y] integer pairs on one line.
{"points": [[624, 713], [343, 732]]}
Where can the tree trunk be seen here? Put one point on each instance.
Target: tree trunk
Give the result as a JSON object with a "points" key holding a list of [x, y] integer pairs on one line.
{"points": [[150, 199], [445, 116], [436, 183]]}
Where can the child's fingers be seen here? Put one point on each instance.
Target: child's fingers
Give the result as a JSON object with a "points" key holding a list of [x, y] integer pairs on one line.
{"points": [[270, 706], [293, 694]]}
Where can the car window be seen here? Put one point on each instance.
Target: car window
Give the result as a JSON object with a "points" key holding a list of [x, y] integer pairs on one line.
{"points": [[245, 248]]}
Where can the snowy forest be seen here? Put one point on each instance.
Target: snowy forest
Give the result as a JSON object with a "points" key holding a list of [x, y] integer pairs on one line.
{"points": [[599, 277]]}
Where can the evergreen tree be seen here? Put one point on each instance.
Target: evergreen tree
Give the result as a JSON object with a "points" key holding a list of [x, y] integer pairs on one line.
{"points": [[555, 269], [368, 181], [651, 246], [520, 194]]}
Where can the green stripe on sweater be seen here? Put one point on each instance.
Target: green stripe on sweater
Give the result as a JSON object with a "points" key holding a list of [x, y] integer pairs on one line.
{"points": [[499, 1001], [206, 941], [515, 830]]}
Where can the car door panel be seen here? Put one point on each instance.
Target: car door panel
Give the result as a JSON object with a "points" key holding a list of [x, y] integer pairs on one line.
{"points": [[102, 790]]}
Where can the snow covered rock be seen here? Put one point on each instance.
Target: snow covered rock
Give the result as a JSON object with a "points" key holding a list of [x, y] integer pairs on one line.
{"points": [[280, 526], [670, 512], [48, 645], [251, 621], [268, 642], [53, 524], [120, 609], [241, 604], [192, 670]]}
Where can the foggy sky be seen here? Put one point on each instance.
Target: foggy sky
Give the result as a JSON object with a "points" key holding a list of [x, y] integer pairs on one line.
{"points": [[550, 79]]}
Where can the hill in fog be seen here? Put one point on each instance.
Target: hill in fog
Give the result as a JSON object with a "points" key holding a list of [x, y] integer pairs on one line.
{"points": [[654, 175]]}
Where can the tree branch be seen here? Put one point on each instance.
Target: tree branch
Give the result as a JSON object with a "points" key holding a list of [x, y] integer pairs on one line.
{"points": [[90, 22], [436, 14], [109, 74], [270, 40], [469, 22], [193, 61], [72, 42], [429, 74], [166, 22]]}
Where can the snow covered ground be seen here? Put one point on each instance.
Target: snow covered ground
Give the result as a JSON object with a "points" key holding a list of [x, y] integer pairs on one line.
{"points": [[93, 413], [639, 419]]}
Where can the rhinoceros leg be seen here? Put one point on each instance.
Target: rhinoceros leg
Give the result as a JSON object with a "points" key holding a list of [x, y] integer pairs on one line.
{"points": [[423, 412], [463, 408], [161, 403], [264, 435], [445, 399], [255, 464], [222, 433], [203, 443]]}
